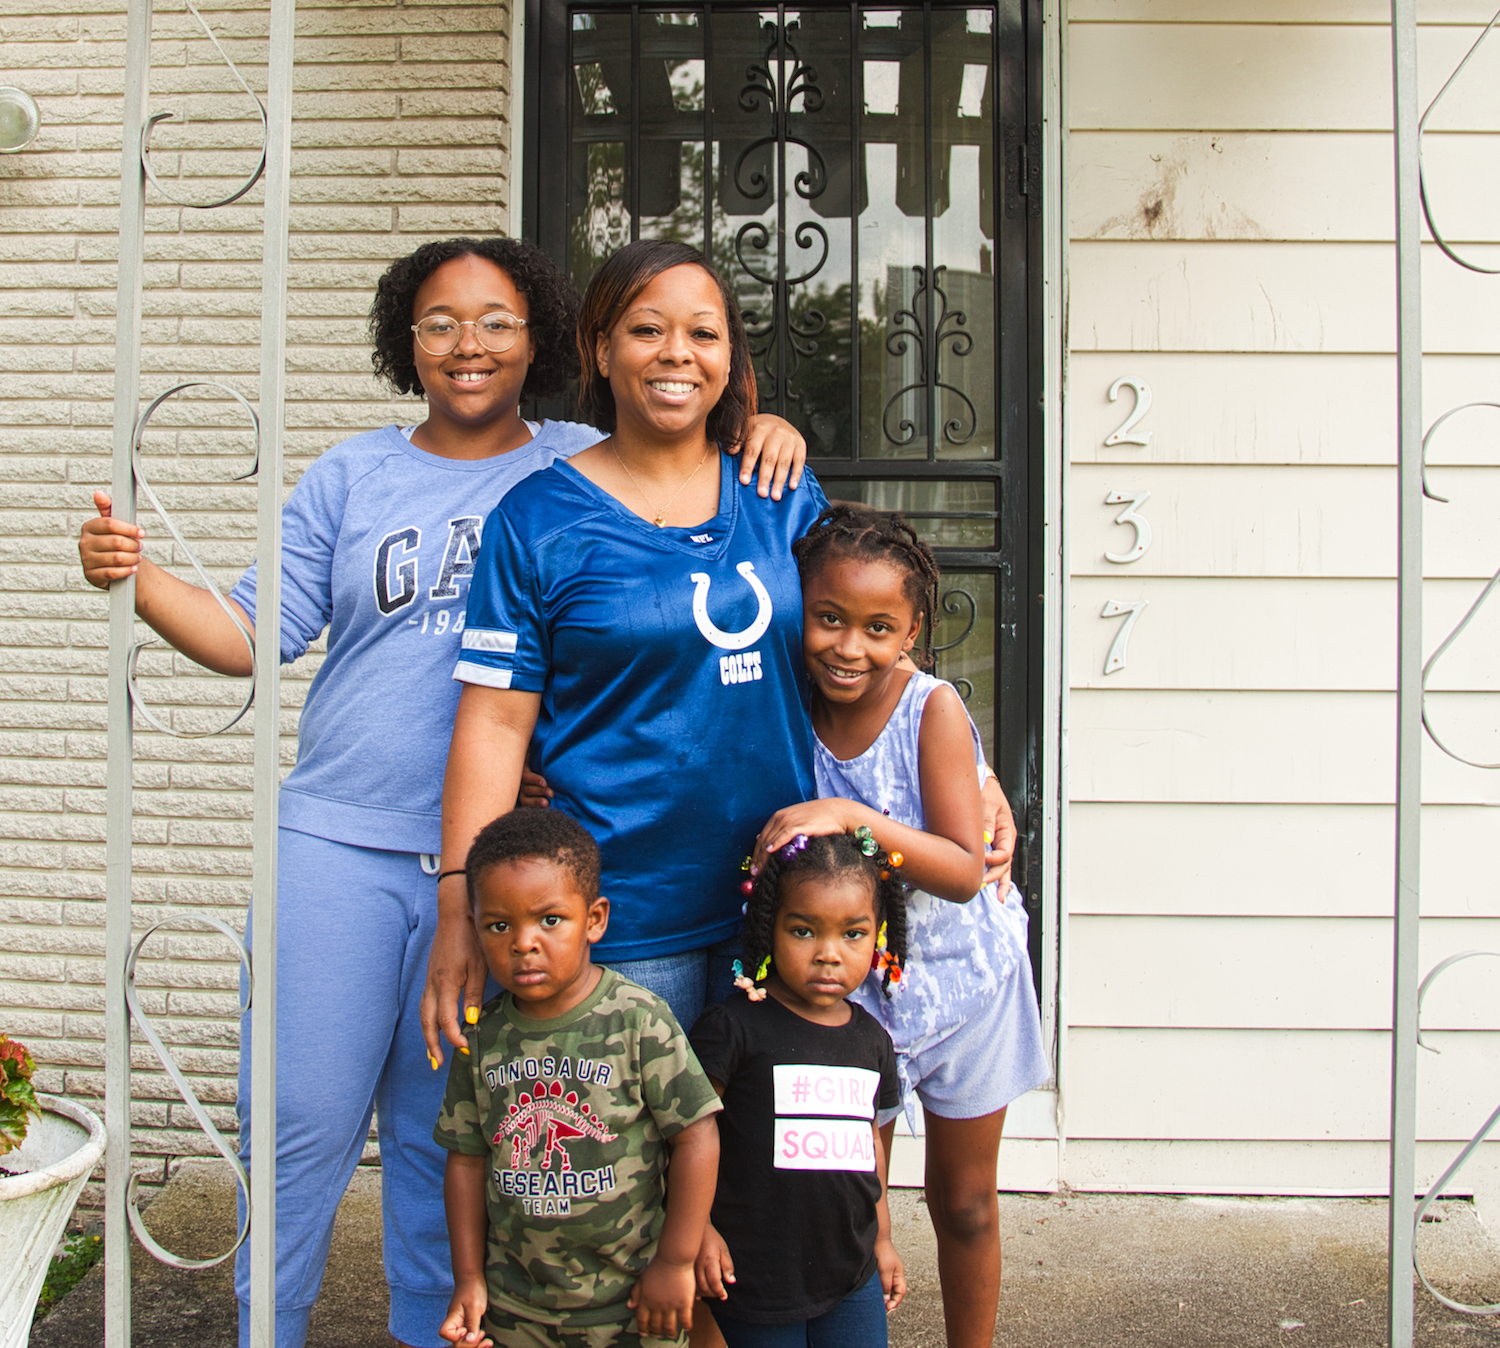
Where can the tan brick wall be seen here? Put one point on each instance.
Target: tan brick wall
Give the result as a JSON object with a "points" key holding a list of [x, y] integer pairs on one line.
{"points": [[401, 134]]}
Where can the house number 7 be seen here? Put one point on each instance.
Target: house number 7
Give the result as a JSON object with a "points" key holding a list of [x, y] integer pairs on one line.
{"points": [[1130, 610], [1142, 527]]}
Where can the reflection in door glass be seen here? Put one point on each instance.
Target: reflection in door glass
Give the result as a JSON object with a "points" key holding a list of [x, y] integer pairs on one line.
{"points": [[958, 514]]}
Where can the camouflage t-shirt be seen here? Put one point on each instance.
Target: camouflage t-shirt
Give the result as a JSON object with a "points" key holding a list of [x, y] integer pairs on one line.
{"points": [[574, 1113]]}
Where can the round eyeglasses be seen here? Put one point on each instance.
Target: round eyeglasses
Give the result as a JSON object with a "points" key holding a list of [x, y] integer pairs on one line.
{"points": [[438, 335]]}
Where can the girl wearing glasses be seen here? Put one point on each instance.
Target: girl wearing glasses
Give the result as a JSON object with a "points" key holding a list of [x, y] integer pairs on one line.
{"points": [[380, 538]]}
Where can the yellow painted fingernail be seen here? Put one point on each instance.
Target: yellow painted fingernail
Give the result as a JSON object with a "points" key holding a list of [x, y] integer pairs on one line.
{"points": [[988, 836], [433, 1060], [465, 1050], [471, 1014]]}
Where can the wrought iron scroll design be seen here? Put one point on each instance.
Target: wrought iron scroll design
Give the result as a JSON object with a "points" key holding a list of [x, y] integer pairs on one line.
{"points": [[184, 1087], [1473, 609], [1441, 1184], [1446, 1178], [1437, 234], [908, 331], [137, 698], [151, 122], [139, 704], [774, 85], [953, 603]]}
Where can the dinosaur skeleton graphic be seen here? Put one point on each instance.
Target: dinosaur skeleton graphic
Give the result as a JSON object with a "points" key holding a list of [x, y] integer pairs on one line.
{"points": [[550, 1117]]}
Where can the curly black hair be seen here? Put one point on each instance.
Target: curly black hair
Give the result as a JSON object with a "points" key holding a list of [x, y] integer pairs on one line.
{"points": [[847, 529], [551, 304], [549, 835], [829, 855]]}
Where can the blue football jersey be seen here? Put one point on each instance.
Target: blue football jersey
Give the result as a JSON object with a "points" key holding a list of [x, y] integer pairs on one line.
{"points": [[673, 720]]}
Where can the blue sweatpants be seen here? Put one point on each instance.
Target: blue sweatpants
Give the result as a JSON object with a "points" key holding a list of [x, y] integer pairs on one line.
{"points": [[353, 929]]}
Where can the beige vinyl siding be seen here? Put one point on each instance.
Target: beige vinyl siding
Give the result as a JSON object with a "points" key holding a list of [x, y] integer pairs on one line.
{"points": [[1257, 1084], [400, 134], [1278, 12], [1260, 407], [1290, 748], [1268, 861], [1210, 74], [1244, 972], [1230, 826], [1262, 1166]]}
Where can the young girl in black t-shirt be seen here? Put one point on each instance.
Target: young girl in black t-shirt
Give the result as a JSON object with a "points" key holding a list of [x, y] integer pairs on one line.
{"points": [[799, 1253]]}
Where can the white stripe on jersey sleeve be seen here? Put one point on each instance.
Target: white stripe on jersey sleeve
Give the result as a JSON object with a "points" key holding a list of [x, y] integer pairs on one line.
{"points": [[466, 671], [489, 639]]}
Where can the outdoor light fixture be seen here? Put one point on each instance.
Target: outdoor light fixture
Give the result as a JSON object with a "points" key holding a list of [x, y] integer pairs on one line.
{"points": [[19, 119]]}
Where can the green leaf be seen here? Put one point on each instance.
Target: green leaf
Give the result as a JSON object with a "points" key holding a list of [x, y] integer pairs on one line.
{"points": [[18, 1100]]}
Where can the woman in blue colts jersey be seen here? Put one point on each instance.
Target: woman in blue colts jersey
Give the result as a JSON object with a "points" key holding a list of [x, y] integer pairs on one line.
{"points": [[635, 620], [379, 542]]}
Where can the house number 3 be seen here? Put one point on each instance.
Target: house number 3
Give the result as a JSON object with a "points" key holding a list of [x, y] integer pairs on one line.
{"points": [[1142, 527]]}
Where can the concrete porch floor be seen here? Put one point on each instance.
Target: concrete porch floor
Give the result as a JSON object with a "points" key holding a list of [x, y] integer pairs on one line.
{"points": [[1081, 1270]]}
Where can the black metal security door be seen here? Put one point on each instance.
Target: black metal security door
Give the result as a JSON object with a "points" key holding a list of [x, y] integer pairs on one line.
{"points": [[868, 180]]}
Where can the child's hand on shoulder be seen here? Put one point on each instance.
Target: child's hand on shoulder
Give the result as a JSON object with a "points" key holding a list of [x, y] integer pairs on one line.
{"points": [[662, 1299], [534, 792], [465, 1314], [892, 1273], [714, 1266]]}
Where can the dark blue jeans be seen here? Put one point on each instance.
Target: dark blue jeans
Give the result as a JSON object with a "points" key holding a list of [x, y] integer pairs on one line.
{"points": [[858, 1321]]}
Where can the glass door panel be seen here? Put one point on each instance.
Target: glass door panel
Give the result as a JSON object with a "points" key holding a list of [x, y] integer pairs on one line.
{"points": [[858, 174]]}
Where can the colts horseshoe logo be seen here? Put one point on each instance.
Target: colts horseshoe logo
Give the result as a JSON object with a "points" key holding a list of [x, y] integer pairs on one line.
{"points": [[731, 641]]}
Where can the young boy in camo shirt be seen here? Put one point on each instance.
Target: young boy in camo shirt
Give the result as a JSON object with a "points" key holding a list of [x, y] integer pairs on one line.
{"points": [[575, 1087]]}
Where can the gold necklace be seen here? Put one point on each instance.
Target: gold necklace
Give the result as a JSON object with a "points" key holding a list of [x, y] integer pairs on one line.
{"points": [[661, 515]]}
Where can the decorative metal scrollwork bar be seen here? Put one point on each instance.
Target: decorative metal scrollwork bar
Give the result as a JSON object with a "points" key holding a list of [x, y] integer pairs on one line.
{"points": [[189, 1096], [138, 698], [953, 603], [1446, 1178], [929, 304], [1437, 234], [777, 341], [1474, 608], [260, 109], [121, 1213]]}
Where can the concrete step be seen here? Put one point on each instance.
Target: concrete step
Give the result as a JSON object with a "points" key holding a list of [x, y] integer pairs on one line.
{"points": [[1080, 1271]]}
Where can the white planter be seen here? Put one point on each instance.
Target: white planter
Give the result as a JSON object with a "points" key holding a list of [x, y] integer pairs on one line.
{"points": [[61, 1149]]}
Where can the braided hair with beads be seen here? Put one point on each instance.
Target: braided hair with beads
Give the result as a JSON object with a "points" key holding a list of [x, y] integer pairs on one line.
{"points": [[847, 529], [829, 855]]}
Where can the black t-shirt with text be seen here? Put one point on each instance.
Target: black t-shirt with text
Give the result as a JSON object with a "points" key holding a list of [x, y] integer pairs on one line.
{"points": [[798, 1186]]}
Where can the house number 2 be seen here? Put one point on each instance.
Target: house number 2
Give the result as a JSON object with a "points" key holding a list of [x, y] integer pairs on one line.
{"points": [[1126, 434]]}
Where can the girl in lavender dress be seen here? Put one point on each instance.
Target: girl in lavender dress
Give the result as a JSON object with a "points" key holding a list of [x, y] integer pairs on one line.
{"points": [[897, 757]]}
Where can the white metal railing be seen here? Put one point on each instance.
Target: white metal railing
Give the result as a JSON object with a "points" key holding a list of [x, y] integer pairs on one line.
{"points": [[1413, 205], [129, 425]]}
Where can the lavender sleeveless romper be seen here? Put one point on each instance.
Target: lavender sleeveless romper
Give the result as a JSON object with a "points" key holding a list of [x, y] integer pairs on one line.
{"points": [[965, 1010]]}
